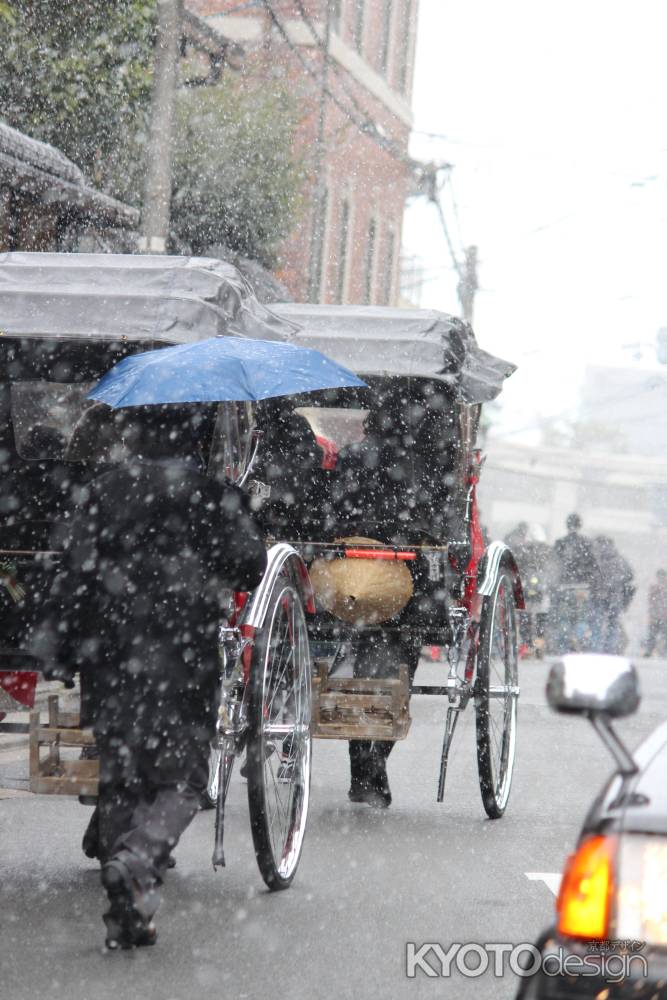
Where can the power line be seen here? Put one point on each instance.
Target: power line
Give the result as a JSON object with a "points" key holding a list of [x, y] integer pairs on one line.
{"points": [[448, 239], [454, 142], [425, 174], [431, 189], [455, 210]]}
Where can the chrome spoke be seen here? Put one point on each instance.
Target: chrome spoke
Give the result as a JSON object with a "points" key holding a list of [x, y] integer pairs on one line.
{"points": [[501, 694], [286, 729]]}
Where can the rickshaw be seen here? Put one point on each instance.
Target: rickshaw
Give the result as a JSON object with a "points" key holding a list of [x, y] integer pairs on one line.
{"points": [[64, 321], [463, 594]]}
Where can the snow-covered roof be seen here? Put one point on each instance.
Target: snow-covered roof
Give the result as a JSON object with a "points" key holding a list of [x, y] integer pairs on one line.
{"points": [[37, 167]]}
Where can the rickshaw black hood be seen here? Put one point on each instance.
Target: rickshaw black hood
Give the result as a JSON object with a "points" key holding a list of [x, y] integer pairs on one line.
{"points": [[374, 340]]}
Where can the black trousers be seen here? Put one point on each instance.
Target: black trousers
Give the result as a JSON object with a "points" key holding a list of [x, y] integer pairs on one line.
{"points": [[150, 788]]}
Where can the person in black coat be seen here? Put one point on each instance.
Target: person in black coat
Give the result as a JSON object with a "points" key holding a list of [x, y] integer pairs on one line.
{"points": [[611, 596], [576, 574], [135, 609], [290, 464], [398, 485], [402, 476]]}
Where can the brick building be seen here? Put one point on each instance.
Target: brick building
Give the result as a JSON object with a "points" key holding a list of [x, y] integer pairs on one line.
{"points": [[345, 245]]}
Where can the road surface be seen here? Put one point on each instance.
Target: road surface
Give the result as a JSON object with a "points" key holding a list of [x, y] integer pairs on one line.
{"points": [[369, 882]]}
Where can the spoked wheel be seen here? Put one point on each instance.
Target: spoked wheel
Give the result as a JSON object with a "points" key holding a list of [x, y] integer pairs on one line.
{"points": [[496, 696], [279, 738]]}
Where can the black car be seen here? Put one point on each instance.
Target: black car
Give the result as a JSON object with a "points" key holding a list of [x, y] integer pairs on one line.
{"points": [[610, 935]]}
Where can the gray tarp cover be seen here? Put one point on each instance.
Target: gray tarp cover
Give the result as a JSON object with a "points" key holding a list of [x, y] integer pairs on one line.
{"points": [[169, 300], [374, 340]]}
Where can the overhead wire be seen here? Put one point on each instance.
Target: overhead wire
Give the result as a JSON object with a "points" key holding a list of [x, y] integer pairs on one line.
{"points": [[455, 209], [365, 125], [342, 76]]}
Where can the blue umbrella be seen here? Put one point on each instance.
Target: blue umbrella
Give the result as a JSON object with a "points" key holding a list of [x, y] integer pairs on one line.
{"points": [[218, 369]]}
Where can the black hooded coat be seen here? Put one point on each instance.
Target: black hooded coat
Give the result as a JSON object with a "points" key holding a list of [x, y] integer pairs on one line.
{"points": [[136, 605]]}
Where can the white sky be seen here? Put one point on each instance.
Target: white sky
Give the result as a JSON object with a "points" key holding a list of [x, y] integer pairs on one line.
{"points": [[556, 118]]}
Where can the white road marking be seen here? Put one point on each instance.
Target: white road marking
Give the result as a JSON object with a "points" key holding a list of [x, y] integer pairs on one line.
{"points": [[550, 879]]}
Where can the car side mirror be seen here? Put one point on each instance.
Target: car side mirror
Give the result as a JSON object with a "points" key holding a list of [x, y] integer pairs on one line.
{"points": [[602, 688], [588, 683]]}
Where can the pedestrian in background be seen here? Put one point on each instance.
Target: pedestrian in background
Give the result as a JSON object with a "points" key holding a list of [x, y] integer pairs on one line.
{"points": [[576, 577], [534, 559], [611, 596], [657, 615]]}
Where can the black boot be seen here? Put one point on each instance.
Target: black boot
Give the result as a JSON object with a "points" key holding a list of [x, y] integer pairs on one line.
{"points": [[129, 917], [360, 770], [368, 772], [380, 782], [91, 838]]}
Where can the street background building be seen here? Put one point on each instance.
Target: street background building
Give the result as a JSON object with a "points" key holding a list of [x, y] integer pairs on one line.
{"points": [[349, 63]]}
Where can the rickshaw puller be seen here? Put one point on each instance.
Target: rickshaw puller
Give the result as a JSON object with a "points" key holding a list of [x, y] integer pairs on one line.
{"points": [[138, 603]]}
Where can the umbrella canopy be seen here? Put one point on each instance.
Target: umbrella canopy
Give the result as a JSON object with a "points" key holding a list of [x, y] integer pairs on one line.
{"points": [[219, 369]]}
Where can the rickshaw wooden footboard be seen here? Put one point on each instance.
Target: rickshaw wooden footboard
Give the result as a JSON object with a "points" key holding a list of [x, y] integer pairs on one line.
{"points": [[360, 708], [53, 772]]}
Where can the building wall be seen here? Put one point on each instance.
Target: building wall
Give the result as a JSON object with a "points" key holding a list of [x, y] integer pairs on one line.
{"points": [[370, 74]]}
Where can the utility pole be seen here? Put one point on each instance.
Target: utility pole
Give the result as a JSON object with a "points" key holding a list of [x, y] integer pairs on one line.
{"points": [[428, 184], [319, 195], [157, 195], [468, 284]]}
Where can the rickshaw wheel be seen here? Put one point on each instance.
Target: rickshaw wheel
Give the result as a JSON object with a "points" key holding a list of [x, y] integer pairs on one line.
{"points": [[496, 696], [279, 738]]}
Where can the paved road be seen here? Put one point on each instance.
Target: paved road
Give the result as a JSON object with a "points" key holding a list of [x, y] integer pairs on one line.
{"points": [[368, 883]]}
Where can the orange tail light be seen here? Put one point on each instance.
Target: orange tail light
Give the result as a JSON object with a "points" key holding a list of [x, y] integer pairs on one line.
{"points": [[586, 888]]}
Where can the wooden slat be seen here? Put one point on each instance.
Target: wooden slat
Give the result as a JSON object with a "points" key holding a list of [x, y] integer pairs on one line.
{"points": [[79, 769], [341, 699], [400, 691], [53, 775], [315, 702], [344, 731], [34, 744], [367, 708], [65, 737], [66, 785], [366, 685], [69, 720], [53, 709]]}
